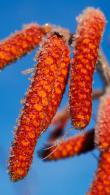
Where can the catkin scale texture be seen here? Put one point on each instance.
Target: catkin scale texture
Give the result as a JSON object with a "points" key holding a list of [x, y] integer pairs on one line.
{"points": [[70, 147], [42, 100], [20, 44], [101, 183], [102, 129], [89, 32]]}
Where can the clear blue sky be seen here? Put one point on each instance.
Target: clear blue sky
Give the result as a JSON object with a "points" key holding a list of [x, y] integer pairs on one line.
{"points": [[72, 176]]}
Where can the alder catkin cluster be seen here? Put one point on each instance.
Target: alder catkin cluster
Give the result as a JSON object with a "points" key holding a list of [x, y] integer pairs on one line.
{"points": [[49, 80]]}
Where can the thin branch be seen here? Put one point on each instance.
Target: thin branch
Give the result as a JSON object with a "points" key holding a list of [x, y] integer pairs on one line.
{"points": [[103, 68], [97, 94]]}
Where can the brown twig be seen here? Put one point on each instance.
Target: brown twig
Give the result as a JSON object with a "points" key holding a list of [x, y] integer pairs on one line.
{"points": [[103, 68]]}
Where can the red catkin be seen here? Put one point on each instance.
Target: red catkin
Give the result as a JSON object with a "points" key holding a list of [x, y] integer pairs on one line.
{"points": [[70, 147], [88, 35], [101, 183], [43, 98], [20, 43], [102, 129]]}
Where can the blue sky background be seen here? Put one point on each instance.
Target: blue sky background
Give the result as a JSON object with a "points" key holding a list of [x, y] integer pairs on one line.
{"points": [[72, 176]]}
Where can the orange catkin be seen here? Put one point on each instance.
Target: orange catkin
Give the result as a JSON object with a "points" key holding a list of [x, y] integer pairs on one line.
{"points": [[75, 145], [42, 100], [20, 43], [88, 36], [102, 129], [101, 183]]}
